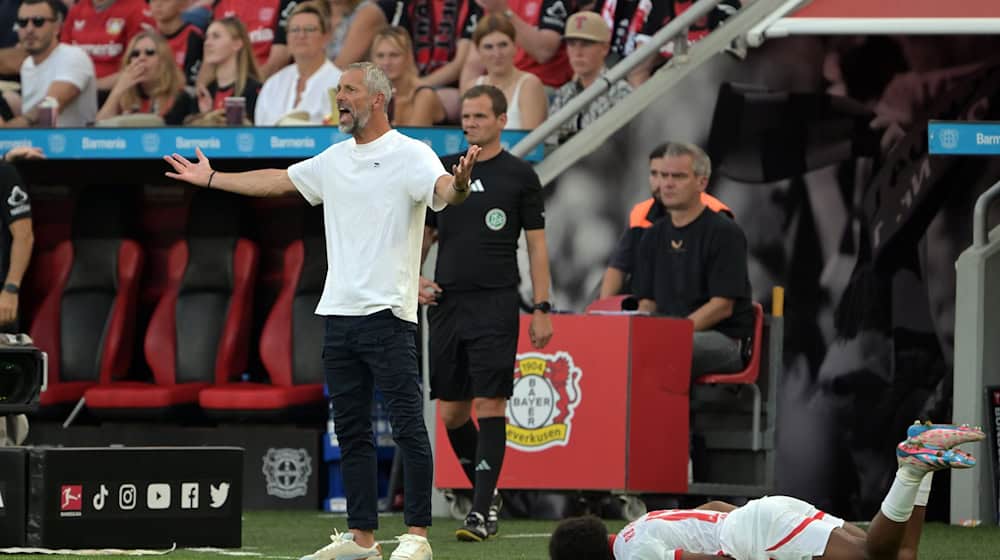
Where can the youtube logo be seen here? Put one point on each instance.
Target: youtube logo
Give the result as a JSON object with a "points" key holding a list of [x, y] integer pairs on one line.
{"points": [[158, 496]]}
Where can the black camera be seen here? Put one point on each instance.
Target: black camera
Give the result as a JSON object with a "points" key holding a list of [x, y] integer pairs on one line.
{"points": [[23, 373]]}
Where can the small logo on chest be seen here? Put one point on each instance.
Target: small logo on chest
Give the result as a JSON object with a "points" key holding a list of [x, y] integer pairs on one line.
{"points": [[477, 186], [677, 246], [496, 219]]}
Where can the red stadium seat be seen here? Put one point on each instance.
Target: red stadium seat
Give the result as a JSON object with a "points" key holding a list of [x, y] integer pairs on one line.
{"points": [[200, 329], [291, 345], [86, 319], [748, 376]]}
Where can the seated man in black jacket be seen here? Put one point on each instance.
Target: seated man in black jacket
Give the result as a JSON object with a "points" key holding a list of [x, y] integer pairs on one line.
{"points": [[694, 265]]}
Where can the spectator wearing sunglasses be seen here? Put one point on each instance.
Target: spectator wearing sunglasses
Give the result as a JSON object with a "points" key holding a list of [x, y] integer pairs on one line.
{"points": [[305, 84], [53, 69], [150, 79], [103, 28]]}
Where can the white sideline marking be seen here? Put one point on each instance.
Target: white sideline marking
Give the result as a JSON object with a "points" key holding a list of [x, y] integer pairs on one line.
{"points": [[87, 552], [243, 553], [526, 536], [226, 552]]}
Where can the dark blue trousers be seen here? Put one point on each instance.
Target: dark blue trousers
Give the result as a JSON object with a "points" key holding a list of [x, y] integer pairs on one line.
{"points": [[359, 354]]}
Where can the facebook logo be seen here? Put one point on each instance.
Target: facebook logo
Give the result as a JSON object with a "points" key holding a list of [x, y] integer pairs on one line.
{"points": [[189, 495]]}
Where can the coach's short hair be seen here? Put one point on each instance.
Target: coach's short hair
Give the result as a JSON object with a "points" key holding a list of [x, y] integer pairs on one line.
{"points": [[580, 538], [497, 99], [375, 80], [700, 162]]}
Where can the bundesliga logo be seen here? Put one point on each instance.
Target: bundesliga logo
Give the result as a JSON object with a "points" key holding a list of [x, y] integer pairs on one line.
{"points": [[546, 392]]}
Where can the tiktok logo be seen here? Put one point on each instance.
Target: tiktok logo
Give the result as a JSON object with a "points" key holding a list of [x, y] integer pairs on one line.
{"points": [[99, 498]]}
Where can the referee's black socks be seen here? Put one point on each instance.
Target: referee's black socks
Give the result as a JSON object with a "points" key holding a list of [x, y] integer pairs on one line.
{"points": [[464, 440], [489, 459]]}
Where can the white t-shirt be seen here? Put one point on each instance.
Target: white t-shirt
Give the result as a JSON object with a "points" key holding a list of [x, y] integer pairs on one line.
{"points": [[374, 198], [277, 96], [658, 535], [67, 63]]}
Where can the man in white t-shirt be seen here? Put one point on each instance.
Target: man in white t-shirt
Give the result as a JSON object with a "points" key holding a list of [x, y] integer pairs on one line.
{"points": [[304, 84], [374, 188], [780, 527], [63, 72]]}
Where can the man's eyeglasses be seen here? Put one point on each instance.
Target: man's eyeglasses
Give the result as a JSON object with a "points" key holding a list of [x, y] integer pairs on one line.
{"points": [[308, 30], [37, 21], [136, 52]]}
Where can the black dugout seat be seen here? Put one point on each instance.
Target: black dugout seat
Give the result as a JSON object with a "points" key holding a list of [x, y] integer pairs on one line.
{"points": [[199, 332]]}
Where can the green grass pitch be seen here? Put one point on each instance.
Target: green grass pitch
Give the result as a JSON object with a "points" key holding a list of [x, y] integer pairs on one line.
{"points": [[289, 535]]}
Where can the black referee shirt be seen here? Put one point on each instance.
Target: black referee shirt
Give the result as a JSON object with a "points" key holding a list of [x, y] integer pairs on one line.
{"points": [[15, 206], [477, 240]]}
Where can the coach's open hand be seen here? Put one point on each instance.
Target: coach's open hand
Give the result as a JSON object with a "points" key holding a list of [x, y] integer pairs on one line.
{"points": [[195, 173], [463, 169]]}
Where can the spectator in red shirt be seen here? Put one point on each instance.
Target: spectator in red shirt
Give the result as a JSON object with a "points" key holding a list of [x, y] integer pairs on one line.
{"points": [[539, 25], [150, 80], [185, 38], [266, 22], [102, 28]]}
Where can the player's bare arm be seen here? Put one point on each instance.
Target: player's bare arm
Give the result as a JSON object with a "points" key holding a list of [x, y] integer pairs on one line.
{"points": [[262, 182], [454, 188], [716, 505]]}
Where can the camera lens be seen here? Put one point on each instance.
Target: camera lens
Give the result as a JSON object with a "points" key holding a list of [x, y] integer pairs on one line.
{"points": [[15, 382]]}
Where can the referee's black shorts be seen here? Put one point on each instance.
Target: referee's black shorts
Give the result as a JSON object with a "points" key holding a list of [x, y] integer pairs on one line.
{"points": [[473, 344]]}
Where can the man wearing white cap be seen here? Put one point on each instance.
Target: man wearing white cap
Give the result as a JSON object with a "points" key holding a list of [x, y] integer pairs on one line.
{"points": [[588, 40]]}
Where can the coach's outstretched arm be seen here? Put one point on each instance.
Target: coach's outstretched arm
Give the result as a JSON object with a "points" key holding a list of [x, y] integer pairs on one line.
{"points": [[261, 182], [454, 188]]}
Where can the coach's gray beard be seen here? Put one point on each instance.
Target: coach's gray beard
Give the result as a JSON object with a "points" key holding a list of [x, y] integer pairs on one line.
{"points": [[358, 122]]}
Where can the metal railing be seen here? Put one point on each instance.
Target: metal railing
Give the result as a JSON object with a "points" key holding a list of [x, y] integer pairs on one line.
{"points": [[980, 228], [581, 144]]}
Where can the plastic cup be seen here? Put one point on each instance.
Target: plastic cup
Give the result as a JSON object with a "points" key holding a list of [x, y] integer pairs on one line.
{"points": [[236, 108]]}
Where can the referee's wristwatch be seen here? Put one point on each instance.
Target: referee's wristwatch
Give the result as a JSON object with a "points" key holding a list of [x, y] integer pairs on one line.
{"points": [[543, 306]]}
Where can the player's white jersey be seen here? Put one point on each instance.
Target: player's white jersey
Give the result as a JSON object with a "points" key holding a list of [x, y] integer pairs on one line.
{"points": [[661, 535]]}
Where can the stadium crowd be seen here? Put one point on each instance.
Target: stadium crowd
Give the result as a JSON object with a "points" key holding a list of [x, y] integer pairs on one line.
{"points": [[176, 62]]}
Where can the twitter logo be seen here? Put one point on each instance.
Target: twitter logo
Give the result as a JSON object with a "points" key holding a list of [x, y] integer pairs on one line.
{"points": [[219, 493]]}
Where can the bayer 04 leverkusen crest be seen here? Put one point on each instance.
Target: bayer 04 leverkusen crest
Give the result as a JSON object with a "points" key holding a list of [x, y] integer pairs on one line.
{"points": [[546, 392]]}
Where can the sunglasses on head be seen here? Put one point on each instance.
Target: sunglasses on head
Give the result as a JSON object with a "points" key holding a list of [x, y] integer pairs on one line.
{"points": [[37, 21], [135, 53]]}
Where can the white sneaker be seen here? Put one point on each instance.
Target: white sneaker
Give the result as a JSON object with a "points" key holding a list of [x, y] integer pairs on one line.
{"points": [[343, 547], [412, 547]]}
